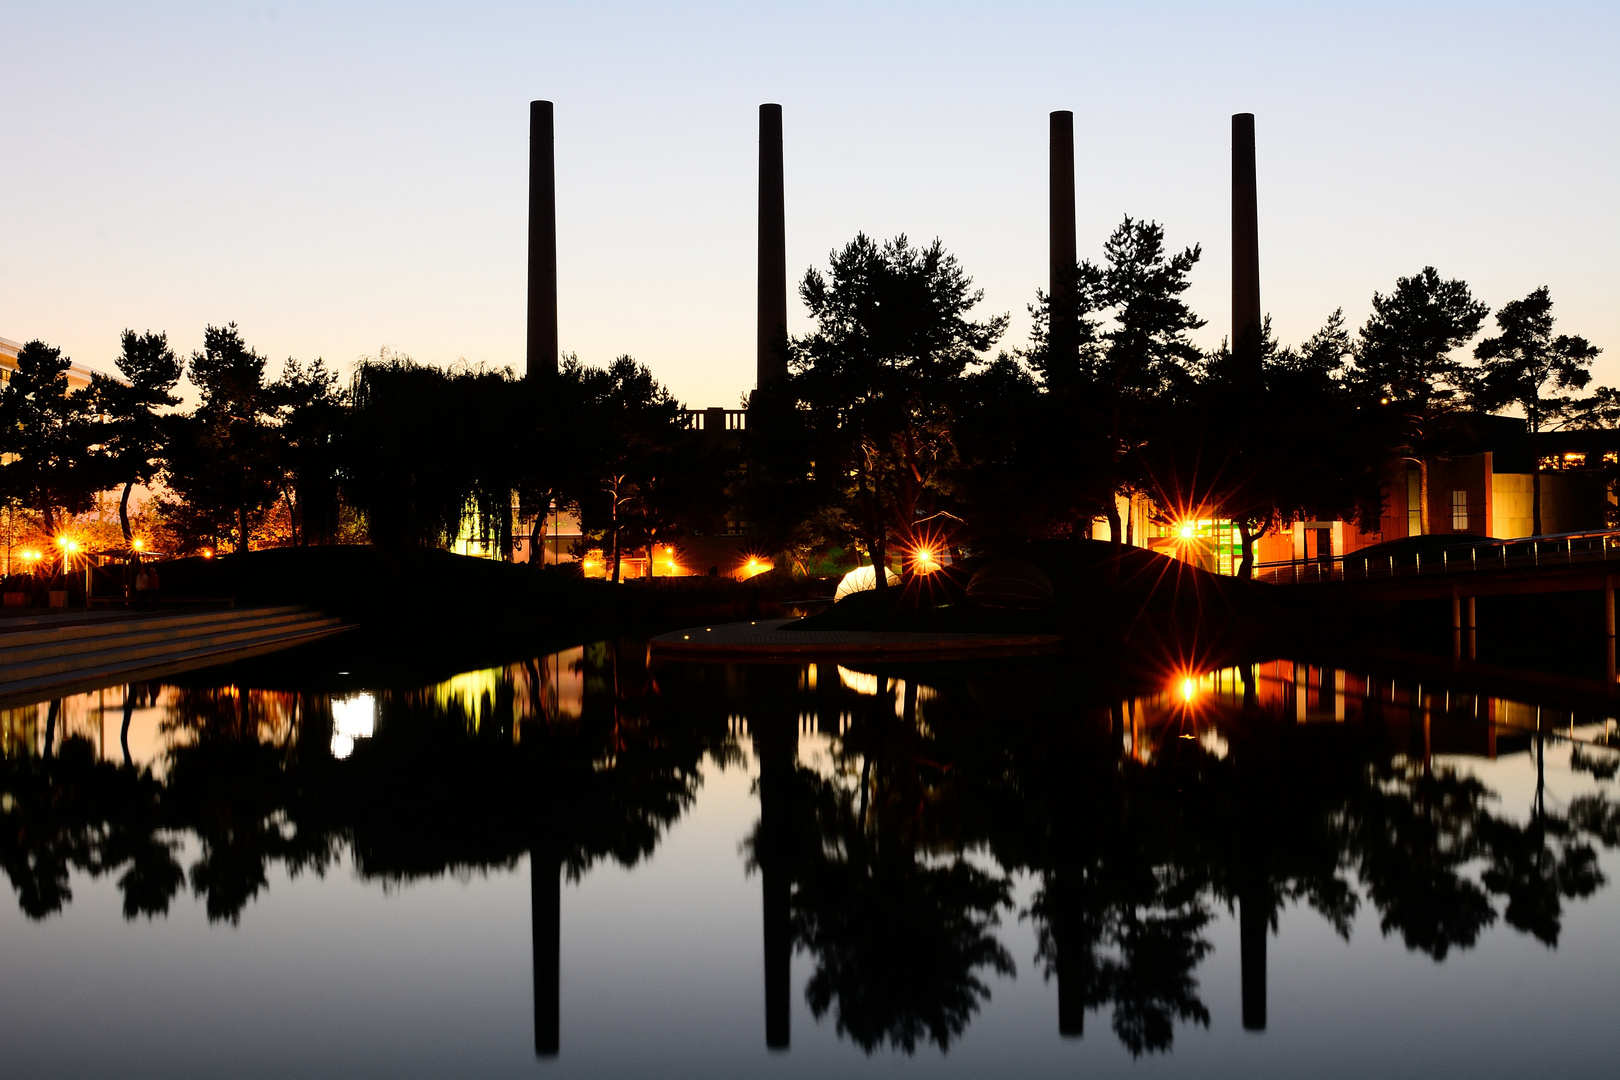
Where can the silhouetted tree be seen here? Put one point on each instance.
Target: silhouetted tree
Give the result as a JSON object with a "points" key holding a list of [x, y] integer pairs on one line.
{"points": [[132, 432], [1275, 440], [632, 464], [1405, 361], [427, 451], [1145, 357], [309, 410], [44, 437], [876, 382], [1525, 366], [221, 458]]}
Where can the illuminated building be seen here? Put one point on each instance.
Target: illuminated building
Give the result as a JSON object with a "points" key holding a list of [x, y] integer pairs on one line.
{"points": [[78, 376]]}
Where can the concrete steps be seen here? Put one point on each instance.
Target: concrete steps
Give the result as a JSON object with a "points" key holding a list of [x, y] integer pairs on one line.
{"points": [[48, 655]]}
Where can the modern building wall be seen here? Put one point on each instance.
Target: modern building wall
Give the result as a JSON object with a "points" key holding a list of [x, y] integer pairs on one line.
{"points": [[558, 534], [1570, 502], [1135, 517], [1461, 495], [1466, 496]]}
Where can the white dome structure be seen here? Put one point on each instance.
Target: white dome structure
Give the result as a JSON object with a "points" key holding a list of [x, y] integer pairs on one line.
{"points": [[861, 579]]}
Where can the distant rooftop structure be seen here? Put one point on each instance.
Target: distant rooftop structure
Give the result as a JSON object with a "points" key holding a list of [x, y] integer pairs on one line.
{"points": [[78, 374]]}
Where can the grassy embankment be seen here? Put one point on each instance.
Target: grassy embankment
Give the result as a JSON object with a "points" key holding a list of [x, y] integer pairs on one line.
{"points": [[418, 609], [1134, 602]]}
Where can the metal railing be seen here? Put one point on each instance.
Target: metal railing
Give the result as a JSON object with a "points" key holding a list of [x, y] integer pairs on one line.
{"points": [[1524, 552]]}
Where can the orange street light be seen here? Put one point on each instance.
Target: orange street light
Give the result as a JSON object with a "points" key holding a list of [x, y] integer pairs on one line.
{"points": [[754, 566], [138, 544]]}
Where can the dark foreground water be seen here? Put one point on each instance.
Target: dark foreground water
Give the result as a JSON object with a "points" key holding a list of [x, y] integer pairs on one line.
{"points": [[690, 870]]}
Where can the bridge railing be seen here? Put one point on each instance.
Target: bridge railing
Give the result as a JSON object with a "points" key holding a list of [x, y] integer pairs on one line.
{"points": [[1557, 549]]}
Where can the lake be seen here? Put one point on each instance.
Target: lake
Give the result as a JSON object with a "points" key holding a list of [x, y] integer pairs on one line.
{"points": [[594, 863]]}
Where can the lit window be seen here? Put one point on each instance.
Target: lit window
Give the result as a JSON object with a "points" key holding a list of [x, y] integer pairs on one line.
{"points": [[1459, 511], [1414, 508]]}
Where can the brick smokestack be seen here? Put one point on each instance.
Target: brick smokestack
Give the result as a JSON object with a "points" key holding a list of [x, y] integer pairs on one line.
{"points": [[1245, 242], [1063, 341], [541, 356], [771, 352]]}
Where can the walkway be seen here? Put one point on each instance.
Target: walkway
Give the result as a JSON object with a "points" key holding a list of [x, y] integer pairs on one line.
{"points": [[49, 655], [767, 640]]}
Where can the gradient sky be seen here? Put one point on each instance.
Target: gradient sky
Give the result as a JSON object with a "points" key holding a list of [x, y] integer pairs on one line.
{"points": [[339, 177]]}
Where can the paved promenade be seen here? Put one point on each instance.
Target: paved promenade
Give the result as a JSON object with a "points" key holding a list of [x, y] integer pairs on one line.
{"points": [[767, 639]]}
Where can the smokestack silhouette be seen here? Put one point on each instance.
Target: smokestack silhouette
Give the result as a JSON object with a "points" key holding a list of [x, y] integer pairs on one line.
{"points": [[772, 345], [1063, 340], [545, 912], [541, 357], [1245, 242]]}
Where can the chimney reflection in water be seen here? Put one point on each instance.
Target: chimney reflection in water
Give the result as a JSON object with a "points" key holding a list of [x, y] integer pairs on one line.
{"points": [[773, 722]]}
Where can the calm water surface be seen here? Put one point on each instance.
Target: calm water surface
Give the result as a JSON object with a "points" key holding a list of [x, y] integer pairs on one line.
{"points": [[589, 865]]}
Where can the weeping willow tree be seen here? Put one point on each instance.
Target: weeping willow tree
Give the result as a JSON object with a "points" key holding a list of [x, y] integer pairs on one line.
{"points": [[429, 450]]}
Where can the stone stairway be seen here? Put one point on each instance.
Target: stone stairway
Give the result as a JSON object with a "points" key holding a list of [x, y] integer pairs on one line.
{"points": [[51, 655]]}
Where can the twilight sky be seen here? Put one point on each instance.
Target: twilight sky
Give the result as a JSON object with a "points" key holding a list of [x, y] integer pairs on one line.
{"points": [[338, 177]]}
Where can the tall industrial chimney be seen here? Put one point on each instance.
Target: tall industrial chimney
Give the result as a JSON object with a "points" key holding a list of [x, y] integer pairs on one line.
{"points": [[771, 352], [541, 356], [1245, 242], [1063, 342]]}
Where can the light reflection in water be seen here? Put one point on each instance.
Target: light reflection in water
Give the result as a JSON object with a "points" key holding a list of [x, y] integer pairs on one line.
{"points": [[893, 813], [353, 717]]}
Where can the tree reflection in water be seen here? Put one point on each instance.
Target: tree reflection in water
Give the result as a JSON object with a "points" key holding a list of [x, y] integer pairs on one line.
{"points": [[1138, 817], [561, 759], [900, 924], [886, 850]]}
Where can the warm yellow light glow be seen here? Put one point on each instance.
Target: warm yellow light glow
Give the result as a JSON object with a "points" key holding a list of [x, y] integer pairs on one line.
{"points": [[756, 565], [208, 553], [31, 555], [1188, 531], [925, 560], [1188, 689], [138, 544], [858, 681]]}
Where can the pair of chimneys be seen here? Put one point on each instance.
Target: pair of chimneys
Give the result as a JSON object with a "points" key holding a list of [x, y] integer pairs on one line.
{"points": [[770, 346], [1063, 340], [541, 354]]}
